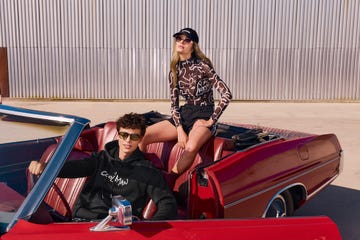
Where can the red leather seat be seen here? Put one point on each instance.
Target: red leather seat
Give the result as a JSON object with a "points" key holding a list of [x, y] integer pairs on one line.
{"points": [[161, 151], [107, 134]]}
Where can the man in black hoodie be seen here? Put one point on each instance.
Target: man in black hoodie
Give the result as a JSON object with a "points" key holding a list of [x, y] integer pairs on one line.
{"points": [[120, 169]]}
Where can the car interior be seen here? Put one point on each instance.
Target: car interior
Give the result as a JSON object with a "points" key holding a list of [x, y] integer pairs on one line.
{"points": [[63, 194], [65, 191]]}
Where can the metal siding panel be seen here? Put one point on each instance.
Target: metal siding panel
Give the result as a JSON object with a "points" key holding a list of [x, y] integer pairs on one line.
{"points": [[12, 71], [77, 14], [49, 71], [249, 33], [50, 21], [110, 35], [52, 72], [285, 24], [11, 22], [264, 50], [78, 71], [115, 78], [120, 72], [119, 76], [42, 86], [85, 23], [352, 25], [21, 88], [43, 23], [67, 23], [2, 24], [55, 29], [62, 88], [21, 20]]}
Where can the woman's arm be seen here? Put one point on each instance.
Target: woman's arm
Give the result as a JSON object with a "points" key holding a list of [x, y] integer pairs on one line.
{"points": [[174, 98], [224, 91]]}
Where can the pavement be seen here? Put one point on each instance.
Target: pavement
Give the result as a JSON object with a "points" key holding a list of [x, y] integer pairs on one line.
{"points": [[340, 201]]}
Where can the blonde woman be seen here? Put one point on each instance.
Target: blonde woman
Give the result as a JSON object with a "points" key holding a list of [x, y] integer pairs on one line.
{"points": [[193, 77]]}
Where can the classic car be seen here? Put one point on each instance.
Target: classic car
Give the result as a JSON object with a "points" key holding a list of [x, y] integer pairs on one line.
{"points": [[246, 181]]}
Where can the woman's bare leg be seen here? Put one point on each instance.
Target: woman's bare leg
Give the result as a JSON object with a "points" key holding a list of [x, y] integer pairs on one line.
{"points": [[165, 131], [197, 138], [158, 132]]}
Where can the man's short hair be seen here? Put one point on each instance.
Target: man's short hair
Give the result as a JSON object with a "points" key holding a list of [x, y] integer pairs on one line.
{"points": [[132, 121]]}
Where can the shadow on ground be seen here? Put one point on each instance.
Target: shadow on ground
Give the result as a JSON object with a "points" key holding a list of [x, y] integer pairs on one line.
{"points": [[342, 205]]}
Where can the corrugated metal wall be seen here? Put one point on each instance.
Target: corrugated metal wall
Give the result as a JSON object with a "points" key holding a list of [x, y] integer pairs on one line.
{"points": [[120, 49]]}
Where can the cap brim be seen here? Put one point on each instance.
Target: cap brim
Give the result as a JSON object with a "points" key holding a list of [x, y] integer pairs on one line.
{"points": [[182, 33]]}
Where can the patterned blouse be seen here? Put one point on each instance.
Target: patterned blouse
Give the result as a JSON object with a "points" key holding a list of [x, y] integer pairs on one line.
{"points": [[196, 80]]}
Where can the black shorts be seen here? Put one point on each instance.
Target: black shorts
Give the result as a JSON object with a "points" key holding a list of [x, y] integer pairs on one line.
{"points": [[190, 113]]}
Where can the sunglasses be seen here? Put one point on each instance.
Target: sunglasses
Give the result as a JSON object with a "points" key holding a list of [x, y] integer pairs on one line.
{"points": [[133, 136], [184, 40]]}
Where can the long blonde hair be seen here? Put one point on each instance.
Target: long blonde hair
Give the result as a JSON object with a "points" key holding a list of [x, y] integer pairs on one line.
{"points": [[175, 58]]}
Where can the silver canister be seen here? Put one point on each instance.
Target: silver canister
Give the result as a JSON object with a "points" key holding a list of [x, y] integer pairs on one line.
{"points": [[121, 209]]}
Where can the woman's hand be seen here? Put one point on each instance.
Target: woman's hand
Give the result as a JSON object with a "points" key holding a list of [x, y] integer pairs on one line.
{"points": [[203, 123], [182, 136], [36, 167]]}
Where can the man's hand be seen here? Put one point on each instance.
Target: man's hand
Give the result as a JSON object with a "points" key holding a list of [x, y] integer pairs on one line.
{"points": [[36, 167]]}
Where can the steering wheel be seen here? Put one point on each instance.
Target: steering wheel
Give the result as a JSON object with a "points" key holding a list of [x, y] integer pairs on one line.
{"points": [[32, 179]]}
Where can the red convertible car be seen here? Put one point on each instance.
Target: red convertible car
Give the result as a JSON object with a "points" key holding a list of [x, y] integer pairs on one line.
{"points": [[245, 182]]}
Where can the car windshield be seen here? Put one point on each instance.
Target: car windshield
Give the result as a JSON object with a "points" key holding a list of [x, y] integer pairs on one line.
{"points": [[25, 136]]}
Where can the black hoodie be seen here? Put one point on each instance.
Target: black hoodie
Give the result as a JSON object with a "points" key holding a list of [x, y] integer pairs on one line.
{"points": [[135, 178]]}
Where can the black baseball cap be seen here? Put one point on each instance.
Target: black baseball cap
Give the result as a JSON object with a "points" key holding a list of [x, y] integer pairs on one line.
{"points": [[190, 33]]}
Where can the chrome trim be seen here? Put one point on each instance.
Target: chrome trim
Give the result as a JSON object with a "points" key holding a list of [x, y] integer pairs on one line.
{"points": [[23, 112], [282, 190], [322, 187], [279, 184], [40, 189], [43, 117]]}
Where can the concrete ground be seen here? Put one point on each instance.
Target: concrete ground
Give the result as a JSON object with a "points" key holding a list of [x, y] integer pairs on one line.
{"points": [[340, 201]]}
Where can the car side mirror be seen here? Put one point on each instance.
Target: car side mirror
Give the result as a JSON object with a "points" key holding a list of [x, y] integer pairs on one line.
{"points": [[120, 213]]}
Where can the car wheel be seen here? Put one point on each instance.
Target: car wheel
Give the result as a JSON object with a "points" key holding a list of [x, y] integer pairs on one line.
{"points": [[281, 206]]}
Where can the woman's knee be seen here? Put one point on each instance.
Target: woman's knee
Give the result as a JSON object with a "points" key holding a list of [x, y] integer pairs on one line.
{"points": [[147, 139], [192, 148]]}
